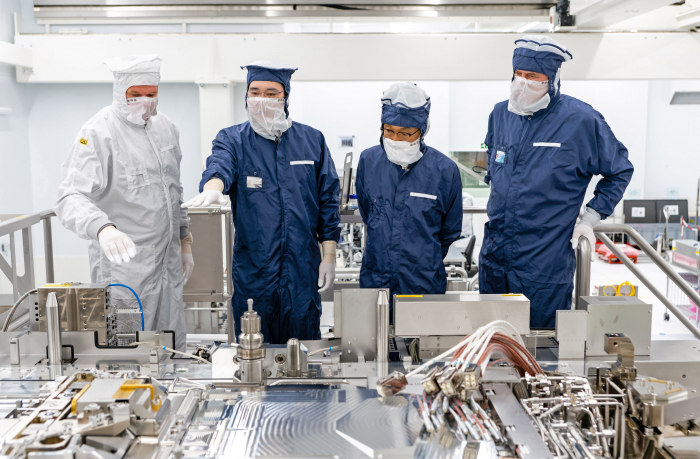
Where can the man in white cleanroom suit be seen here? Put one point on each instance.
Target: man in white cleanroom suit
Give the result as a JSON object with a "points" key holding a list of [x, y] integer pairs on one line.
{"points": [[121, 190]]}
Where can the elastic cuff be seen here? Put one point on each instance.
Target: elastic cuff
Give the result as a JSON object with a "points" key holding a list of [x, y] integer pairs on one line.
{"points": [[186, 243], [590, 218], [328, 251], [95, 226], [184, 231]]}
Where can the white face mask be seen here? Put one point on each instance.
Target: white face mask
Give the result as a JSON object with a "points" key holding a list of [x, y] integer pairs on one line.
{"points": [[267, 117], [402, 153], [528, 96], [141, 109]]}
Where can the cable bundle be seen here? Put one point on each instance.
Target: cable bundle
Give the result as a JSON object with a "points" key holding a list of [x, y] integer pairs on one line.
{"points": [[477, 348]]}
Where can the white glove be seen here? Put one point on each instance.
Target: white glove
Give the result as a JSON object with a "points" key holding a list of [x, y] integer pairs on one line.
{"points": [[326, 276], [117, 246], [207, 198], [187, 266], [585, 226]]}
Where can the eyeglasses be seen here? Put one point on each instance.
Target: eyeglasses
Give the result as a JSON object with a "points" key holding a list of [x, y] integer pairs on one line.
{"points": [[403, 136], [272, 93]]}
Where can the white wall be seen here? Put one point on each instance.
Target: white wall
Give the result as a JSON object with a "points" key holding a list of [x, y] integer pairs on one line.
{"points": [[673, 144]]}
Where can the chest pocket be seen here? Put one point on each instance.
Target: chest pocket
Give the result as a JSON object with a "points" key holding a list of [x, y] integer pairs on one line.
{"points": [[376, 213], [557, 155], [303, 170], [500, 157], [254, 181], [424, 206], [136, 177]]}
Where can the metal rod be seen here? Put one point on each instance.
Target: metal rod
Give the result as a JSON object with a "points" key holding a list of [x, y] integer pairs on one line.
{"points": [[646, 248], [382, 327], [473, 210], [314, 381], [21, 222], [293, 358], [48, 250], [230, 328], [205, 309], [13, 263], [53, 330], [583, 270]]}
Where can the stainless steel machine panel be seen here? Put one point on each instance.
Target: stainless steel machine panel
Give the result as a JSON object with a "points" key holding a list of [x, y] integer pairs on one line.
{"points": [[207, 281], [359, 323], [348, 423], [83, 307], [570, 333], [617, 314], [458, 313]]}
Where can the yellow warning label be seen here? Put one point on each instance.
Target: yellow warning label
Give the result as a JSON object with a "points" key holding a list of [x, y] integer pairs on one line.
{"points": [[83, 141], [125, 393], [409, 296]]}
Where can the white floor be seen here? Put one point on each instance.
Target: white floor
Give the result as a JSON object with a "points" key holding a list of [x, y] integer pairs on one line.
{"points": [[603, 273]]}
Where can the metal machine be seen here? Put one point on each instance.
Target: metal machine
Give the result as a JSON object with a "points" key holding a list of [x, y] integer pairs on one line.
{"points": [[82, 307], [454, 375]]}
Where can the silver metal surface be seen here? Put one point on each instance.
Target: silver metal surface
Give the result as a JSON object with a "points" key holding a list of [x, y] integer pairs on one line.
{"points": [[616, 314], [570, 334], [211, 229], [359, 324], [582, 281], [9, 225], [48, 250], [348, 422], [251, 350], [338, 312], [83, 307], [382, 327], [518, 425], [293, 358], [286, 11], [53, 331], [458, 314], [600, 231], [32, 346], [15, 352]]}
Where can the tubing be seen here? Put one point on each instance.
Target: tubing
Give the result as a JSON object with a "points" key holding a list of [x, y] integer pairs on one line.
{"points": [[143, 328], [8, 320]]}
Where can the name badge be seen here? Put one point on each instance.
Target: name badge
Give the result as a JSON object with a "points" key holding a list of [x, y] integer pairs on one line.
{"points": [[254, 182], [500, 157]]}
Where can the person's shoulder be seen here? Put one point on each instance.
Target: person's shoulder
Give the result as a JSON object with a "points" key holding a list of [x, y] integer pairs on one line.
{"points": [[579, 108], [99, 126], [442, 161], [372, 153], [236, 131], [501, 106], [500, 111], [305, 129], [100, 119]]}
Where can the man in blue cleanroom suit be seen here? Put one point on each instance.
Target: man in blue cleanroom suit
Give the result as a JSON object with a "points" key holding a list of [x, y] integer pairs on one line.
{"points": [[284, 193], [543, 149], [410, 198]]}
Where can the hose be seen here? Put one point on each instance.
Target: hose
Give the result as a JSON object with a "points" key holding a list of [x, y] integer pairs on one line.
{"points": [[330, 350], [8, 320], [192, 356], [143, 327]]}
